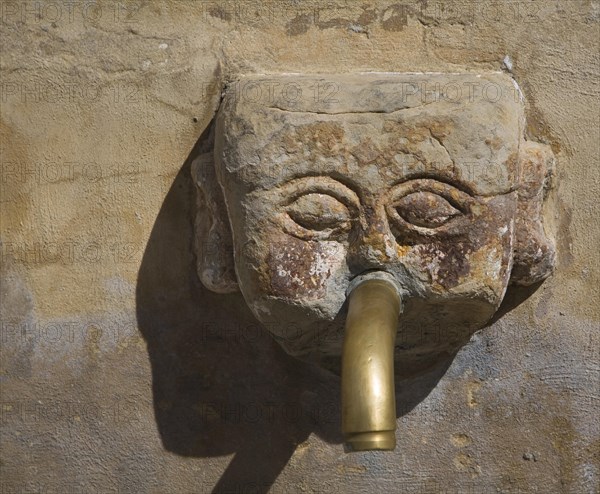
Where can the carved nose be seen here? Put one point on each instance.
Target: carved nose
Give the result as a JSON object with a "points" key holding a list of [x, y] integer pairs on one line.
{"points": [[372, 248]]}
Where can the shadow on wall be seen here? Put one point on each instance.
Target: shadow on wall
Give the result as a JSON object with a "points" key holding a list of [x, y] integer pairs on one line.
{"points": [[221, 385]]}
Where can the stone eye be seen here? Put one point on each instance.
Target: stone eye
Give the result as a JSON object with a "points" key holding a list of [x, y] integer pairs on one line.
{"points": [[425, 209], [319, 212]]}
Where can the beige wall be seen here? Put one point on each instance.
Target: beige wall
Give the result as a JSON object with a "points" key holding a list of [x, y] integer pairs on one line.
{"points": [[120, 373]]}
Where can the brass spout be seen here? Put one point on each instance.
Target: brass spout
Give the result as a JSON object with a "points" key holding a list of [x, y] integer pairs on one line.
{"points": [[368, 397]]}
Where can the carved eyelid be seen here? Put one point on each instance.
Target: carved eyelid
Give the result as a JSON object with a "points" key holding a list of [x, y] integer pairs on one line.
{"points": [[298, 188], [457, 198], [320, 185]]}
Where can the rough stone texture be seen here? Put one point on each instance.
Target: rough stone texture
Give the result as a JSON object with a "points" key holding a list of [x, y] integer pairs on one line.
{"points": [[122, 373], [327, 177]]}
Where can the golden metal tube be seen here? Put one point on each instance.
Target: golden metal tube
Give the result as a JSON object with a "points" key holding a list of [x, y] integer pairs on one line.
{"points": [[368, 396]]}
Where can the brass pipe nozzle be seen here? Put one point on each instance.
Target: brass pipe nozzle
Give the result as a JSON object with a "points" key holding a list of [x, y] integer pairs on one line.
{"points": [[368, 396]]}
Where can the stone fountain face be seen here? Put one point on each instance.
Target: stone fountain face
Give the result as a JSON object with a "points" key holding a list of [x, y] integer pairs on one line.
{"points": [[314, 180]]}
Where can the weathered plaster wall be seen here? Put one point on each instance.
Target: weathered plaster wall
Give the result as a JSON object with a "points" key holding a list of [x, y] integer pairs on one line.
{"points": [[121, 373]]}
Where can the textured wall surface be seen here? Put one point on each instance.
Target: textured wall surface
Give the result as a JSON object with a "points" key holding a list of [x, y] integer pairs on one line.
{"points": [[121, 373]]}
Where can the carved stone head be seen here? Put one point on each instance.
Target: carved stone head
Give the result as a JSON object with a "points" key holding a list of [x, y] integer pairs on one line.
{"points": [[315, 180]]}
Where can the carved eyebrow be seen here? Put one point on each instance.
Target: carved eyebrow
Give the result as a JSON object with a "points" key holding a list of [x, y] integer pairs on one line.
{"points": [[435, 182], [319, 184]]}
